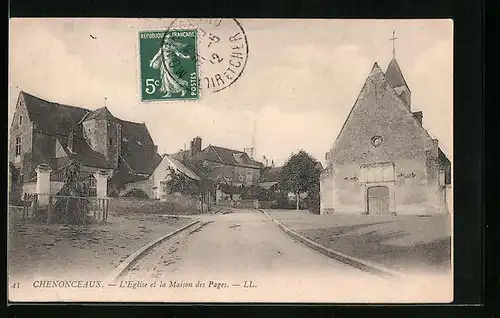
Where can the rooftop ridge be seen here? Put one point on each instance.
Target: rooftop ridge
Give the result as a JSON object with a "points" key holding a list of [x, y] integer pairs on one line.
{"points": [[225, 148], [53, 102], [78, 107]]}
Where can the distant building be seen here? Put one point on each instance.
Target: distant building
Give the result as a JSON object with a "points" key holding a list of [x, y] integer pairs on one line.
{"points": [[225, 166], [44, 132], [384, 160], [269, 177]]}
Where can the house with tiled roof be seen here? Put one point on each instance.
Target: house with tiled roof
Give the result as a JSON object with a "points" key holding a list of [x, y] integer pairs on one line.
{"points": [[384, 161], [269, 177], [54, 134], [225, 165]]}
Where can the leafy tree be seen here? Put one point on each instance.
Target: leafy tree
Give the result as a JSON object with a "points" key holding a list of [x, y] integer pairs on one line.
{"points": [[136, 193], [300, 175], [72, 207], [179, 182], [231, 189]]}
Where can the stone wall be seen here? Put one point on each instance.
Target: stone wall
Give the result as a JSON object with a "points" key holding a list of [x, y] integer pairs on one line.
{"points": [[150, 206], [413, 193], [449, 198], [241, 204], [25, 131], [144, 185], [184, 201], [248, 175]]}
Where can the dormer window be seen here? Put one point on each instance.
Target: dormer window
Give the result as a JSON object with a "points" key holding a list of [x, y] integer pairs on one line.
{"points": [[139, 143], [238, 157]]}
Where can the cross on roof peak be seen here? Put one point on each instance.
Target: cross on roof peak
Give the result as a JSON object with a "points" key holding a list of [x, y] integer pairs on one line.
{"points": [[393, 39]]}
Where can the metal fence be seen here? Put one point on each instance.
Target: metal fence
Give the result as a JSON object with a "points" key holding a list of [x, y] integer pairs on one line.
{"points": [[30, 206], [59, 207], [91, 208]]}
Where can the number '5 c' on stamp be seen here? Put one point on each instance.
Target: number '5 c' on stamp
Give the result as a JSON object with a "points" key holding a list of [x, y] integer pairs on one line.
{"points": [[169, 68]]}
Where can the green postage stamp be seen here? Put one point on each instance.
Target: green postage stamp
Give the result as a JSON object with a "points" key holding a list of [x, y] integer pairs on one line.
{"points": [[168, 65]]}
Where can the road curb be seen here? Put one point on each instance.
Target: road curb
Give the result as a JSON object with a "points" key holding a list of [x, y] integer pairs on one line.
{"points": [[134, 257], [181, 216], [339, 256]]}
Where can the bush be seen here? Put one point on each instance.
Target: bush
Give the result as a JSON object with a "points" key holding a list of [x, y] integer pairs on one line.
{"points": [[136, 193], [282, 202], [312, 201]]}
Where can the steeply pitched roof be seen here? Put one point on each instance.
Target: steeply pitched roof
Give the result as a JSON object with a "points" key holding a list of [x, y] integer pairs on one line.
{"points": [[53, 118], [227, 156], [178, 166], [100, 113], [374, 94], [138, 149], [181, 155], [394, 75], [84, 154], [270, 175]]}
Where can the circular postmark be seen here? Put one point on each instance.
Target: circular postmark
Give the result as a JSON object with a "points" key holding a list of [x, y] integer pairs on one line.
{"points": [[220, 54]]}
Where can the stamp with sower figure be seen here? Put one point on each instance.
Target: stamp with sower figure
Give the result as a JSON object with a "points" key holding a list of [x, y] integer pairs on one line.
{"points": [[191, 56], [168, 65]]}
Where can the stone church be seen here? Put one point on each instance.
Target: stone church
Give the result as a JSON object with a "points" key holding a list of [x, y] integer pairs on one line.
{"points": [[383, 160]]}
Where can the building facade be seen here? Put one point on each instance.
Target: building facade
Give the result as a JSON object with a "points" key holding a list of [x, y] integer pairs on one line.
{"points": [[224, 165], [55, 135], [384, 161]]}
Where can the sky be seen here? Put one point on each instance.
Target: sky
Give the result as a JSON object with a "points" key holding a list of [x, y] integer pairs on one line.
{"points": [[301, 79]]}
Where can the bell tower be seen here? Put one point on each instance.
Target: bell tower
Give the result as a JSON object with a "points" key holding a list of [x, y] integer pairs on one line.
{"points": [[103, 132]]}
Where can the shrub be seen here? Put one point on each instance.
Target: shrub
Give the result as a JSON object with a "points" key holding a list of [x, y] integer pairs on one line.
{"points": [[312, 201], [136, 193]]}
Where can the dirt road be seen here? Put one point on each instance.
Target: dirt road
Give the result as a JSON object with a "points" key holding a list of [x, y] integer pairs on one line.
{"points": [[244, 243]]}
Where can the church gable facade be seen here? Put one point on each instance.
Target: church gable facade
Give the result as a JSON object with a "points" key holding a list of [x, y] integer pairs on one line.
{"points": [[384, 161]]}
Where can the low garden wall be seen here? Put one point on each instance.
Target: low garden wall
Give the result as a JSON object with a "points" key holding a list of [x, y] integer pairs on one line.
{"points": [[124, 205]]}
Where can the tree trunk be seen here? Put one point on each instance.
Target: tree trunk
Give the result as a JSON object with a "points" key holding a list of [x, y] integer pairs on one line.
{"points": [[201, 202], [209, 201], [297, 200]]}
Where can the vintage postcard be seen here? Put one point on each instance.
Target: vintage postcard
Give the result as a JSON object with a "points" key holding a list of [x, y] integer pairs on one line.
{"points": [[230, 160]]}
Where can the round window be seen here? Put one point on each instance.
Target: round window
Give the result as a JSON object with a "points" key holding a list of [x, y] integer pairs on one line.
{"points": [[377, 141]]}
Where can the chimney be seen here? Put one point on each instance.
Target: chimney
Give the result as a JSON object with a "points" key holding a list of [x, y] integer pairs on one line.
{"points": [[272, 163], [71, 142], [249, 152], [195, 145], [155, 147], [418, 116]]}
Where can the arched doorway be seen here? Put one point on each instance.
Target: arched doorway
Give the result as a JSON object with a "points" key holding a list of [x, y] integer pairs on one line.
{"points": [[378, 200]]}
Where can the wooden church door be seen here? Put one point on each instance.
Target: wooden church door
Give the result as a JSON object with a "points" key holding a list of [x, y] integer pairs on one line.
{"points": [[378, 200]]}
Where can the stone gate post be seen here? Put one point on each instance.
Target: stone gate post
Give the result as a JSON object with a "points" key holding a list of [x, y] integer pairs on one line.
{"points": [[43, 183], [101, 177]]}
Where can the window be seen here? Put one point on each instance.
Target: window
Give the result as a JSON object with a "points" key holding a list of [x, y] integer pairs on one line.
{"points": [[20, 120], [91, 181], [111, 141], [18, 146]]}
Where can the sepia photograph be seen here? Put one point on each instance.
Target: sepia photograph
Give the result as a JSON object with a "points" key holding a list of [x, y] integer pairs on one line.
{"points": [[207, 160]]}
